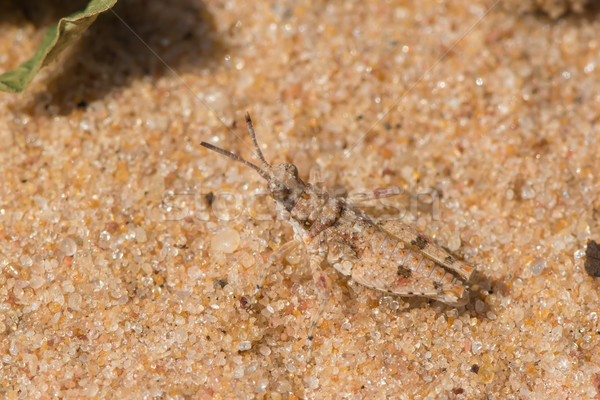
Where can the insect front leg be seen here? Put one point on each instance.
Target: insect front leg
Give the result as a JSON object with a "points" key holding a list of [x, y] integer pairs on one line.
{"points": [[275, 256], [317, 253]]}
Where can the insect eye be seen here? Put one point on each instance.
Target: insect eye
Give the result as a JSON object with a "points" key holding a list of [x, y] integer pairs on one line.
{"points": [[291, 169], [278, 188]]}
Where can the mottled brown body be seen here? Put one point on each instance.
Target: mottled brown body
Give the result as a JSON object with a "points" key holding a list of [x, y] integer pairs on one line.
{"points": [[403, 262], [385, 255]]}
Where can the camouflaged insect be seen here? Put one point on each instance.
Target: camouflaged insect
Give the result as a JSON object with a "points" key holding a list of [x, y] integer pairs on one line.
{"points": [[389, 256]]}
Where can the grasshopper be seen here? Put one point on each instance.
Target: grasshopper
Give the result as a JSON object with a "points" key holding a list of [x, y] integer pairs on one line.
{"points": [[385, 255]]}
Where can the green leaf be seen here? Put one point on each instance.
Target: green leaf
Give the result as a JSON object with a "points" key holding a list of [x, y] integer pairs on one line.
{"points": [[57, 38]]}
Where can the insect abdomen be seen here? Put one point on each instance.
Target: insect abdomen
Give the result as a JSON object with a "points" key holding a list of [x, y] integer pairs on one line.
{"points": [[378, 245]]}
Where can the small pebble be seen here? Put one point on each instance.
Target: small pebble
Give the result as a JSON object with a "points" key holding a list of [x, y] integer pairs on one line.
{"points": [[476, 347], [245, 345], [226, 241], [194, 273], [181, 335], [74, 301], [68, 246], [140, 235], [537, 266], [36, 282], [454, 243], [238, 372], [26, 261], [527, 192], [592, 258], [264, 350]]}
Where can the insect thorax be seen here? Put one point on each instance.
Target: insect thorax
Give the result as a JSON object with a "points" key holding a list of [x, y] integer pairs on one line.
{"points": [[316, 211]]}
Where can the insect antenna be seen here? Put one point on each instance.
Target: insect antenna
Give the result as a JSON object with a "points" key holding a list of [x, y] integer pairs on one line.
{"points": [[237, 158], [253, 137]]}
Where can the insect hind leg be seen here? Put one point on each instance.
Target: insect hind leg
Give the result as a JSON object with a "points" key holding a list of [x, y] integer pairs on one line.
{"points": [[322, 286]]}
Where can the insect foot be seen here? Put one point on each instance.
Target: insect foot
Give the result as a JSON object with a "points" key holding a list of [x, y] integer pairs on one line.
{"points": [[384, 255]]}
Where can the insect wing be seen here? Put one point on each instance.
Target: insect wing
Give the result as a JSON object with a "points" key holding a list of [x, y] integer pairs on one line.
{"points": [[392, 278], [425, 246]]}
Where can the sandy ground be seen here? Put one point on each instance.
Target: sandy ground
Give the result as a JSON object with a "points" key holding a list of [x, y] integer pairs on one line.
{"points": [[126, 248]]}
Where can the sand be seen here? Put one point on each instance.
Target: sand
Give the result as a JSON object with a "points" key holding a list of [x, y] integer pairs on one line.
{"points": [[126, 249]]}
